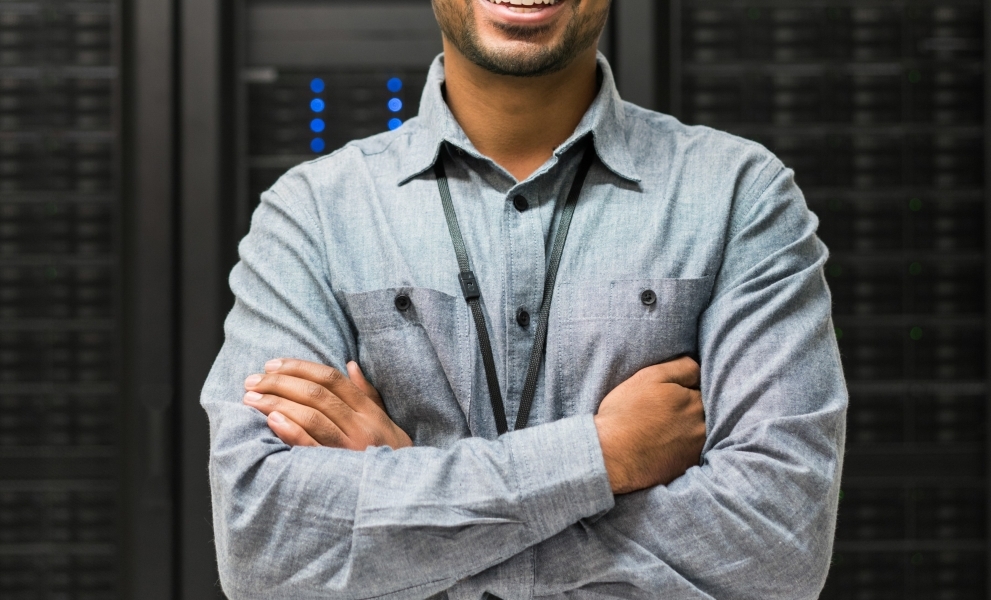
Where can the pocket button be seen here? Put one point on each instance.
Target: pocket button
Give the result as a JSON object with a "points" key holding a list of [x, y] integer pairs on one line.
{"points": [[403, 302], [648, 297], [523, 318]]}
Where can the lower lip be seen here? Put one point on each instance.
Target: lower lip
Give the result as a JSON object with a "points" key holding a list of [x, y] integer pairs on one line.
{"points": [[503, 13]]}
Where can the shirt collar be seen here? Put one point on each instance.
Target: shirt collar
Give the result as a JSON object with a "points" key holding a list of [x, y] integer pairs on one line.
{"points": [[605, 120]]}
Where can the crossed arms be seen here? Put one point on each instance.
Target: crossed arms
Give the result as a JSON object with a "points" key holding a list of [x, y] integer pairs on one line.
{"points": [[754, 521]]}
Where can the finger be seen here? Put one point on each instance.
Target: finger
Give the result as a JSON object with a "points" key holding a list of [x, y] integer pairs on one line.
{"points": [[316, 424], [328, 377], [358, 379], [684, 371], [698, 404], [288, 431], [305, 392]]}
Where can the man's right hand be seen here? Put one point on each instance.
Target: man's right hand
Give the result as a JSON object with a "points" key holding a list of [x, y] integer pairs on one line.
{"points": [[652, 426]]}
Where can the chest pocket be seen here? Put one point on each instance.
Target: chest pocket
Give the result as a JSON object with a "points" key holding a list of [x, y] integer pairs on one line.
{"points": [[610, 330], [413, 347]]}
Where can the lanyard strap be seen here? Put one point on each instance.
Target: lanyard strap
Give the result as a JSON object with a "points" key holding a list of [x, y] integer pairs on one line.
{"points": [[472, 294]]}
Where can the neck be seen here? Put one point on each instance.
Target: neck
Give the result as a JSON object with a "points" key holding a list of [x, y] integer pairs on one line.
{"points": [[518, 121]]}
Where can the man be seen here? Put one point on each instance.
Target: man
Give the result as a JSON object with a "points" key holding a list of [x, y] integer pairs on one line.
{"points": [[528, 199]]}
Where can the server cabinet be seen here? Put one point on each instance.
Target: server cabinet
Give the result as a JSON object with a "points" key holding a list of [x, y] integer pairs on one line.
{"points": [[316, 75], [86, 319], [880, 109], [60, 300]]}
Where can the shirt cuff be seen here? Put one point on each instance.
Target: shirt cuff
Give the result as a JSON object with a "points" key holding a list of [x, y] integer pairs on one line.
{"points": [[562, 473]]}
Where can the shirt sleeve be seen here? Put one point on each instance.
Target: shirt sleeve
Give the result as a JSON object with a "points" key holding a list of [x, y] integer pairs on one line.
{"points": [[326, 523], [756, 519]]}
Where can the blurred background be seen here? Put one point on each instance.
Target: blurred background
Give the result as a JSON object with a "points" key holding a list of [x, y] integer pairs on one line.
{"points": [[136, 136]]}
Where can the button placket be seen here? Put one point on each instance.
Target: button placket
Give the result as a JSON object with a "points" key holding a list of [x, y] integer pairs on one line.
{"points": [[526, 244]]}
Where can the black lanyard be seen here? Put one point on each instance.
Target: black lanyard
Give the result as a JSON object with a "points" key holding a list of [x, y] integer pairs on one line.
{"points": [[469, 287]]}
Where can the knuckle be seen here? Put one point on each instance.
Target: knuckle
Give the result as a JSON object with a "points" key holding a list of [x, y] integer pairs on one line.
{"points": [[313, 391], [311, 421], [332, 376]]}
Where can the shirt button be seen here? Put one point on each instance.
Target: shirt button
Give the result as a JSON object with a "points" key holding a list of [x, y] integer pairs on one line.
{"points": [[648, 297], [523, 318], [520, 203], [403, 302]]}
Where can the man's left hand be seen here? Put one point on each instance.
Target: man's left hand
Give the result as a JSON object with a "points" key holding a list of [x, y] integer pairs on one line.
{"points": [[309, 404]]}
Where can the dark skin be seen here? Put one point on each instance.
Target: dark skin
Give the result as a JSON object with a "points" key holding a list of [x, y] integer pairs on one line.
{"points": [[518, 88]]}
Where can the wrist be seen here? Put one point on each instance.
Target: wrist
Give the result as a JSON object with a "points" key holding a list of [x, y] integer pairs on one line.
{"points": [[610, 455]]}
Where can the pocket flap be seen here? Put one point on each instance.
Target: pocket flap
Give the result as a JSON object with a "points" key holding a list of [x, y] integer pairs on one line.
{"points": [[634, 299]]}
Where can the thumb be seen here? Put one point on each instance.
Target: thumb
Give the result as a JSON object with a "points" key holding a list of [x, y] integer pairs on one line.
{"points": [[358, 379]]}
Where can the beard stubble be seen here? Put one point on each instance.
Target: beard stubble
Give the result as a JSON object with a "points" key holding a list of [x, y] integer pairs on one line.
{"points": [[581, 32]]}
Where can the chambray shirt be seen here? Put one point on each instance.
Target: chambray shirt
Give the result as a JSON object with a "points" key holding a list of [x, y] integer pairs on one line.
{"points": [[714, 225]]}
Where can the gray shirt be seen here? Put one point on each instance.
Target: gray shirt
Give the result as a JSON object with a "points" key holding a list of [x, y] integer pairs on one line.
{"points": [[714, 225]]}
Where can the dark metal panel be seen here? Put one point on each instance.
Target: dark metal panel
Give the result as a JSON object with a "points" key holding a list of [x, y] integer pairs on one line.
{"points": [[987, 266], [675, 58], [636, 56], [201, 281], [295, 34], [149, 331], [665, 37]]}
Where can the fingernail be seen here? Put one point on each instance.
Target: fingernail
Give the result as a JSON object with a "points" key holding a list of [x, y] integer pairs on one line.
{"points": [[252, 397], [252, 381], [278, 418], [273, 365]]}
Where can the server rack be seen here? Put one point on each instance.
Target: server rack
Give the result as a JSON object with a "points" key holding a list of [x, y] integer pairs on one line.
{"points": [[879, 106], [86, 299], [315, 75], [60, 300]]}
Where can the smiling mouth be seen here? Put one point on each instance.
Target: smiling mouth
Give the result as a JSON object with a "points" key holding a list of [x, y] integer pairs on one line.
{"points": [[525, 6]]}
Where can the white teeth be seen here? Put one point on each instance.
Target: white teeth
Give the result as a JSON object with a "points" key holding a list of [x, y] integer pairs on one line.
{"points": [[524, 2]]}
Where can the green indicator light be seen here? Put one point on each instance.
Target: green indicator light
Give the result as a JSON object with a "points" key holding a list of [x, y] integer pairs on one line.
{"points": [[51, 272], [915, 205], [835, 271], [916, 333], [915, 268], [753, 13], [841, 494], [839, 333], [914, 76]]}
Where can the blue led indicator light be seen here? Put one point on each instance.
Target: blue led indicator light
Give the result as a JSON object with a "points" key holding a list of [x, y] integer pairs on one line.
{"points": [[317, 145], [317, 125], [395, 84], [317, 105], [395, 105], [317, 85], [394, 123]]}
